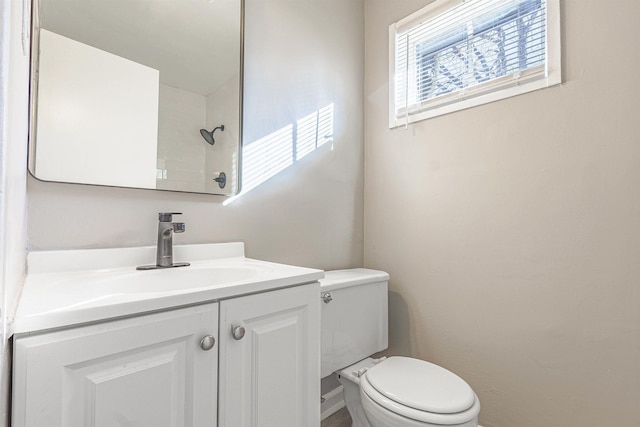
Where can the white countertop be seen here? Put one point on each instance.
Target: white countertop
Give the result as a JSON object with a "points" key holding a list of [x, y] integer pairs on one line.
{"points": [[66, 288]]}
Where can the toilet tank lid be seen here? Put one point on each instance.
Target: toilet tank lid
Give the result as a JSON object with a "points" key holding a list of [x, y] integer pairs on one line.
{"points": [[337, 279]]}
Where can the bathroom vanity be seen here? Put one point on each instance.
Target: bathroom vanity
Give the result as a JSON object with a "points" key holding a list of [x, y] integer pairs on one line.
{"points": [[228, 341]]}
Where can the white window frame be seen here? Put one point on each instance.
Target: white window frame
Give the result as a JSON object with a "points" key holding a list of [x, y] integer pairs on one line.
{"points": [[549, 74]]}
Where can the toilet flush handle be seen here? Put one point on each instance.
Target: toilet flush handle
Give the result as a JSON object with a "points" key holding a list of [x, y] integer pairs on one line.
{"points": [[326, 297]]}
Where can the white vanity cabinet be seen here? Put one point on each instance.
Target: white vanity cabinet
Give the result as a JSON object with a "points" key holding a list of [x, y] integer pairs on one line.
{"points": [[150, 370], [98, 343], [270, 359]]}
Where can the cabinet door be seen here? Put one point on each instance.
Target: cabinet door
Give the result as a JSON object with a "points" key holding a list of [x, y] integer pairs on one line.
{"points": [[270, 377], [147, 371]]}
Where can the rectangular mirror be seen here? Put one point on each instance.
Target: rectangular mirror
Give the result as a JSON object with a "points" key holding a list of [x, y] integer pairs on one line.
{"points": [[138, 93]]}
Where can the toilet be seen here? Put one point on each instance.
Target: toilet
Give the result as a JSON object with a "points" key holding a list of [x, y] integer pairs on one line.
{"points": [[385, 392]]}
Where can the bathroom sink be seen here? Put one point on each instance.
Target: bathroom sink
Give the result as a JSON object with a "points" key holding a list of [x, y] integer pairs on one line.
{"points": [[193, 277], [78, 286]]}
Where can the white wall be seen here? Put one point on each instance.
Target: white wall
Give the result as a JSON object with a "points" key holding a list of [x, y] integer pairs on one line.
{"points": [[511, 231], [14, 85], [300, 56]]}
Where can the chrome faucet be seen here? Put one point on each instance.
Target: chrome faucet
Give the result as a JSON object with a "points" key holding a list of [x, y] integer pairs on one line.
{"points": [[164, 252]]}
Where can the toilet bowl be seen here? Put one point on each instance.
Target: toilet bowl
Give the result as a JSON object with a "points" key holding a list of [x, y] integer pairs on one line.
{"points": [[387, 392], [406, 392]]}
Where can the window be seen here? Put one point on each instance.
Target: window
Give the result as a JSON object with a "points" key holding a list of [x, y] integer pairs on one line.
{"points": [[458, 54]]}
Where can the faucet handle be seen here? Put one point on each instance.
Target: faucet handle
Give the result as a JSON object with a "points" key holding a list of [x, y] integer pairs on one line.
{"points": [[166, 216]]}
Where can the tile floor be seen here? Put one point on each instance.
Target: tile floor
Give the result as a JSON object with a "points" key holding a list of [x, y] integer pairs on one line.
{"points": [[339, 419]]}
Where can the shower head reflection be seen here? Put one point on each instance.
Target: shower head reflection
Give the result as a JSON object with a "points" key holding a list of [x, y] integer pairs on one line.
{"points": [[208, 135]]}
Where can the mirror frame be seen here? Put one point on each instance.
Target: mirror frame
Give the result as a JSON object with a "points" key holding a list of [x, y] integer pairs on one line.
{"points": [[34, 58]]}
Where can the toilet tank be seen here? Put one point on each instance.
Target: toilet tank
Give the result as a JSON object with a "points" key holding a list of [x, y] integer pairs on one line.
{"points": [[354, 318]]}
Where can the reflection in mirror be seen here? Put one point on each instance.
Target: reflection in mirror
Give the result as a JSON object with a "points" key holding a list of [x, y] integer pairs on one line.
{"points": [[138, 93]]}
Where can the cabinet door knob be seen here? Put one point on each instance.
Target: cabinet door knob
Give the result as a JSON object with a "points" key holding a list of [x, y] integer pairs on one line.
{"points": [[207, 342], [327, 298], [237, 332]]}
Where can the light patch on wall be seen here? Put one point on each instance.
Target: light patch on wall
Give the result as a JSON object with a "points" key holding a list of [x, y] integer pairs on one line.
{"points": [[267, 156], [271, 154], [314, 130]]}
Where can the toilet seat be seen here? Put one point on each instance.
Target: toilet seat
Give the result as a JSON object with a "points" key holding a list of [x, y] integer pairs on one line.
{"points": [[420, 391]]}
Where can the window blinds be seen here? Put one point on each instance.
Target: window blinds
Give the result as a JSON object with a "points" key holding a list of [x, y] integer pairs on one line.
{"points": [[460, 50]]}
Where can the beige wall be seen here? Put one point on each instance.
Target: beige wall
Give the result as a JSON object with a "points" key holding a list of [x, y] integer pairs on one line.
{"points": [[512, 230], [297, 60]]}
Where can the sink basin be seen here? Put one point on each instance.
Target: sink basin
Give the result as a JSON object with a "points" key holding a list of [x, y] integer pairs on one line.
{"points": [[165, 280]]}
